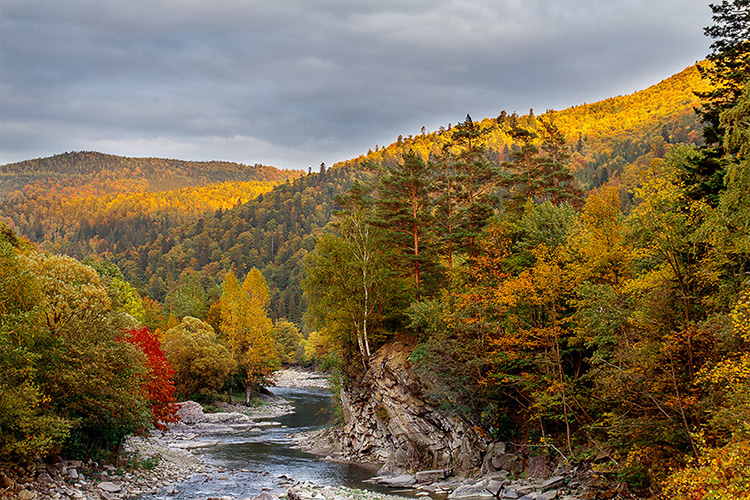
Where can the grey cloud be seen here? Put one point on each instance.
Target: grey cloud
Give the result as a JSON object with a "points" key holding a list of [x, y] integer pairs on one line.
{"points": [[298, 81]]}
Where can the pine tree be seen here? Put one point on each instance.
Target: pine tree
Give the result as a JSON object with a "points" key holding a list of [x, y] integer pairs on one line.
{"points": [[403, 208], [728, 70], [475, 177]]}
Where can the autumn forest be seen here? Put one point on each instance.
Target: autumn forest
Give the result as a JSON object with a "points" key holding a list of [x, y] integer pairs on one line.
{"points": [[572, 279]]}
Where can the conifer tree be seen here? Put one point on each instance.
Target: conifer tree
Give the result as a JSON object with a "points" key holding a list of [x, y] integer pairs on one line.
{"points": [[474, 177], [403, 209], [728, 70]]}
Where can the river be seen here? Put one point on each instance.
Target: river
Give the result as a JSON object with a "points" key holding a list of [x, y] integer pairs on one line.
{"points": [[248, 463]]}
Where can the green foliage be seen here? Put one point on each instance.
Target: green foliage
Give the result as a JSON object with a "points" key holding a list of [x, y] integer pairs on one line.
{"points": [[348, 285], [27, 429], [201, 364], [289, 341], [69, 384], [188, 299], [92, 378]]}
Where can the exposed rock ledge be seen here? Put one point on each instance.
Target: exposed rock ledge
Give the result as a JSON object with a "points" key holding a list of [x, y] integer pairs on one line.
{"points": [[389, 421]]}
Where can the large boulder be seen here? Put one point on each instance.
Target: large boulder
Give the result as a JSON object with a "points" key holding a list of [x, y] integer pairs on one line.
{"points": [[190, 412]]}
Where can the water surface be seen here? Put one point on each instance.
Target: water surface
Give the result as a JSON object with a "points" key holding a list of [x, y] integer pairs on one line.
{"points": [[251, 462]]}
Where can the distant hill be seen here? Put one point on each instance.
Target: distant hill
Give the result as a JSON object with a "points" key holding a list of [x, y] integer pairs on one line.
{"points": [[82, 201], [88, 173]]}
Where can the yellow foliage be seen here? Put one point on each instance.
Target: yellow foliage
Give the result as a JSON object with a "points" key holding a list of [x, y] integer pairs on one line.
{"points": [[719, 474], [246, 327], [723, 473]]}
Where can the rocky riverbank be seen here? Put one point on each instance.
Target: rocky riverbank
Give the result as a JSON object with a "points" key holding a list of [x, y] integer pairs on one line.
{"points": [[153, 463], [294, 377]]}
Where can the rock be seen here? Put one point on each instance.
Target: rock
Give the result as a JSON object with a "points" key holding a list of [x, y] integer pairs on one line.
{"points": [[490, 464], [430, 476], [402, 481], [72, 474], [190, 412], [44, 478], [494, 487], [26, 495], [6, 482], [264, 496], [110, 487], [553, 482], [510, 494], [225, 498], [388, 419], [292, 494], [474, 491], [548, 495], [507, 462]]}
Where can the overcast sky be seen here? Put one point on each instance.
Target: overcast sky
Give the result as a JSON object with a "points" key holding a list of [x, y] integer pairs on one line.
{"points": [[294, 83]]}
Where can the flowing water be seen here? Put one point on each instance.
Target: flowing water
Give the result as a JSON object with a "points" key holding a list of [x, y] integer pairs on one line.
{"points": [[251, 462]]}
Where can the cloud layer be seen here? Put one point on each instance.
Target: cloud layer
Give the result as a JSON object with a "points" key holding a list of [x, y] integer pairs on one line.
{"points": [[293, 83]]}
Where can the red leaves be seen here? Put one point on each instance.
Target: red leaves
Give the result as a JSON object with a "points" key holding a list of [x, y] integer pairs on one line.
{"points": [[158, 385]]}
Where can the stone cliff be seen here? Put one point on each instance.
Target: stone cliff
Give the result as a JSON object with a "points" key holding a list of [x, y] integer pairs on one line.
{"points": [[388, 420]]}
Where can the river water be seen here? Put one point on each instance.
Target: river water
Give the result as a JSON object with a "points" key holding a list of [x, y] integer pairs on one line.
{"points": [[249, 463]]}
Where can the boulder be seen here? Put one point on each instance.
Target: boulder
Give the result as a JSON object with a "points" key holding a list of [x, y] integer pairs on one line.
{"points": [[507, 462], [494, 487], [110, 487], [474, 491], [264, 496], [26, 495], [190, 412], [552, 482], [548, 495], [44, 478], [402, 481], [510, 494], [430, 476], [6, 482]]}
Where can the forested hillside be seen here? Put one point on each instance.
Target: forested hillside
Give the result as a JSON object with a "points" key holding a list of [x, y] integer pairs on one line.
{"points": [[273, 232], [605, 136], [603, 325]]}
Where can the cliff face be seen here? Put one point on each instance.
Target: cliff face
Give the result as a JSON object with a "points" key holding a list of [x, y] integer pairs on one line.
{"points": [[389, 421]]}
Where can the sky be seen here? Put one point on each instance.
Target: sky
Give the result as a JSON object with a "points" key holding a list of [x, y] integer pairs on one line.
{"points": [[294, 83]]}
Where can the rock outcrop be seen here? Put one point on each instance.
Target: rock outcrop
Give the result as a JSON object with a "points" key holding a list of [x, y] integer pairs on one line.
{"points": [[388, 420]]}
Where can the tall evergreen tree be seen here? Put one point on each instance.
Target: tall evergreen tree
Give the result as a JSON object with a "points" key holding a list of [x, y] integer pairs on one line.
{"points": [[403, 208], [540, 172], [475, 178], [728, 70]]}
